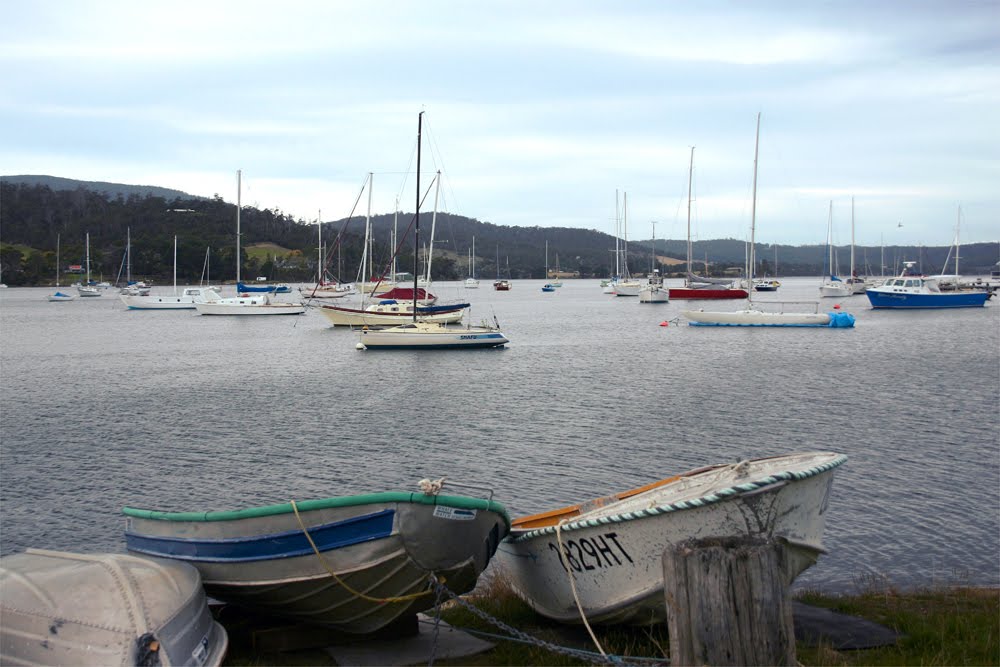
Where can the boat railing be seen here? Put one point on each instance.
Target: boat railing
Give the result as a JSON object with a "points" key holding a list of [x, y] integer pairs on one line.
{"points": [[783, 305]]}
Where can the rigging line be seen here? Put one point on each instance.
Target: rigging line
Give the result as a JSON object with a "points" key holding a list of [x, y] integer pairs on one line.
{"points": [[343, 229], [399, 243]]}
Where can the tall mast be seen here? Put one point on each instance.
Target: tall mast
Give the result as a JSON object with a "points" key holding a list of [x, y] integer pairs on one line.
{"points": [[690, 175], [852, 238], [239, 205], [618, 233], [753, 212], [88, 258], [368, 224], [57, 260], [319, 249], [175, 264], [416, 226], [128, 255], [434, 217]]}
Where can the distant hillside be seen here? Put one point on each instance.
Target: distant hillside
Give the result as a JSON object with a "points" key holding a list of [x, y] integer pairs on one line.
{"points": [[39, 215], [110, 190]]}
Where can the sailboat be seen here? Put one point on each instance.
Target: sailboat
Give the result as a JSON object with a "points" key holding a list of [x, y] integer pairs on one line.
{"points": [[324, 288], [750, 316], [183, 301], [422, 335], [210, 303], [472, 282], [700, 287], [134, 287], [500, 284], [57, 295], [547, 287], [654, 291], [832, 284], [857, 285], [87, 289], [626, 285]]}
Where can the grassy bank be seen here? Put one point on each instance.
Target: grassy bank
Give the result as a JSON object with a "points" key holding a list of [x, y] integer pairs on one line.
{"points": [[948, 626]]}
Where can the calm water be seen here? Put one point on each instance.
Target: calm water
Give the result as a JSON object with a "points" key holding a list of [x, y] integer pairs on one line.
{"points": [[102, 407]]}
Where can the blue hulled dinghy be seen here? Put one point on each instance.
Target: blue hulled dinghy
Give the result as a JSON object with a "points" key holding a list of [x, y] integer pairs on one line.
{"points": [[353, 563]]}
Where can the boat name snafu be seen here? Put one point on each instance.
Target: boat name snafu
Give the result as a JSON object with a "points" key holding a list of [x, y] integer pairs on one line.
{"points": [[593, 547]]}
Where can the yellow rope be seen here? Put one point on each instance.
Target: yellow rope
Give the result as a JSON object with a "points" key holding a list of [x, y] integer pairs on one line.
{"points": [[404, 598], [572, 585]]}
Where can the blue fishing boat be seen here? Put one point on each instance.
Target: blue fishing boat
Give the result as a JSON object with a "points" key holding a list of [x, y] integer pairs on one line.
{"points": [[910, 291], [354, 563], [548, 288]]}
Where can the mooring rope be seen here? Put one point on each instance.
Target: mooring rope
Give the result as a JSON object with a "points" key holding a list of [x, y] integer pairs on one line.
{"points": [[572, 585], [403, 598]]}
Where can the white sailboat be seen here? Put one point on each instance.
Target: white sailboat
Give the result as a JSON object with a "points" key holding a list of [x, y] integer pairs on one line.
{"points": [[209, 302], [324, 288], [654, 290], [832, 285], [626, 285], [57, 295], [472, 282], [417, 335], [183, 301], [857, 285], [750, 316], [547, 287], [87, 289]]}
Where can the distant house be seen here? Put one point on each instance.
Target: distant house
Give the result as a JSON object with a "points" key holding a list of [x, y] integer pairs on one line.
{"points": [[74, 268]]}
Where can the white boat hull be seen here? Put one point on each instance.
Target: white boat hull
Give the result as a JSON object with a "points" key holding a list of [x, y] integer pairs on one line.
{"points": [[423, 335], [252, 304], [184, 301], [384, 315], [757, 318], [629, 288], [836, 290], [615, 552], [654, 295]]}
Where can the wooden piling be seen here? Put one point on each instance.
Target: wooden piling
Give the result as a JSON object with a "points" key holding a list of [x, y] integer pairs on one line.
{"points": [[728, 602]]}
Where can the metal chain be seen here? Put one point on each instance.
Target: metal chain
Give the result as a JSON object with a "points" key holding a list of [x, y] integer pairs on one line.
{"points": [[438, 599], [523, 636]]}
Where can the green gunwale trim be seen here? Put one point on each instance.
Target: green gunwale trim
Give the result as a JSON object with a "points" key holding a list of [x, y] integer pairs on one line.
{"points": [[834, 461], [458, 502]]}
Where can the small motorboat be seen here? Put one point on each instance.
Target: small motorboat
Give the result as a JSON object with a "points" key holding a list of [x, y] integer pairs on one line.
{"points": [[353, 563], [62, 608], [613, 546], [548, 287], [59, 296]]}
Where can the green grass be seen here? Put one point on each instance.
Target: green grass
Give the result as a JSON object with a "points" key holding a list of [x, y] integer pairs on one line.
{"points": [[946, 626]]}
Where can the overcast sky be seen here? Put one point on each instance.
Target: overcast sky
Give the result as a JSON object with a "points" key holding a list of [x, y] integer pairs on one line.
{"points": [[537, 112]]}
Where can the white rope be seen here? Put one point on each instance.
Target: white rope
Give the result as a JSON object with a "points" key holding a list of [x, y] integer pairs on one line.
{"points": [[572, 585], [431, 487]]}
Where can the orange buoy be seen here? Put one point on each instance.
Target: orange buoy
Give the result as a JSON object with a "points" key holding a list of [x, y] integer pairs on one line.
{"points": [[664, 324], [836, 306]]}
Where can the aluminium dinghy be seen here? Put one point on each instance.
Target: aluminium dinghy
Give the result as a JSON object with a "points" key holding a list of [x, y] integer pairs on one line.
{"points": [[352, 563]]}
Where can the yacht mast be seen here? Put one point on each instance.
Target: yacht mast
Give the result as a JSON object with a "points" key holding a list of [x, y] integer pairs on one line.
{"points": [[689, 247], [753, 214]]}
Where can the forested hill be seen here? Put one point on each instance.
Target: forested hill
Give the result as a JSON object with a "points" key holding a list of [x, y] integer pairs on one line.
{"points": [[110, 190], [34, 217]]}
